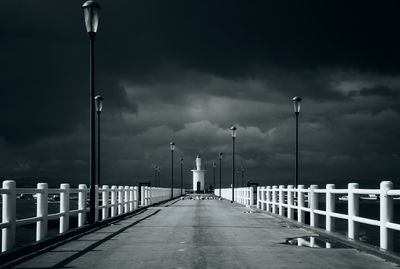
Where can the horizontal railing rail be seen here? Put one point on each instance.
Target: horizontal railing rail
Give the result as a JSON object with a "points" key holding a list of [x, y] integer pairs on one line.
{"points": [[111, 202], [276, 199], [244, 196]]}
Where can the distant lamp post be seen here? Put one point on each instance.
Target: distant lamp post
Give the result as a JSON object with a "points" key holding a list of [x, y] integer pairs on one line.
{"points": [[237, 178], [242, 175], [158, 176], [220, 170], [91, 13], [296, 103], [181, 176], [98, 100], [172, 146], [233, 130], [155, 175], [214, 165]]}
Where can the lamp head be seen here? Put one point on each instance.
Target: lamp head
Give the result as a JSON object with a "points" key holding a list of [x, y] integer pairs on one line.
{"points": [[172, 145], [296, 103], [98, 100], [91, 12], [233, 130]]}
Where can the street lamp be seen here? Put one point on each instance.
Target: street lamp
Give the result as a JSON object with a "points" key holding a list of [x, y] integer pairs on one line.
{"points": [[296, 103], [172, 145], [158, 176], [233, 130], [98, 100], [181, 174], [214, 165], [91, 13], [242, 175], [155, 175], [220, 169]]}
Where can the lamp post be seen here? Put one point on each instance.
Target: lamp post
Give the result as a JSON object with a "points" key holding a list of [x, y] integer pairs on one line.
{"points": [[172, 146], [155, 175], [91, 14], [296, 103], [158, 176], [242, 175], [99, 106], [233, 130], [237, 178], [181, 175], [220, 169], [214, 165]]}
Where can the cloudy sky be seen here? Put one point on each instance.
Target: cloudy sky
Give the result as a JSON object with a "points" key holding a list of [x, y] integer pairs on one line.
{"points": [[188, 70]]}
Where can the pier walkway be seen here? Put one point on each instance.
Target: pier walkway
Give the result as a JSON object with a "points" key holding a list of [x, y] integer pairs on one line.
{"points": [[199, 234]]}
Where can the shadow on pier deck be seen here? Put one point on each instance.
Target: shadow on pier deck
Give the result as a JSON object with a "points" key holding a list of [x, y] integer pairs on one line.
{"points": [[198, 234]]}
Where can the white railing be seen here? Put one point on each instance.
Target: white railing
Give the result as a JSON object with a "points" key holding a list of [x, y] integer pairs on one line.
{"points": [[244, 196], [115, 201], [280, 199]]}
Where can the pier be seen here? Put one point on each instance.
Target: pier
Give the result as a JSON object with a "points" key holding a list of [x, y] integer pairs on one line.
{"points": [[203, 231]]}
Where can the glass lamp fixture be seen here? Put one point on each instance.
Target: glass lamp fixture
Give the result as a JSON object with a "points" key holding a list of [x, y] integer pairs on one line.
{"points": [[220, 155], [181, 160], [214, 164], [296, 103], [233, 129], [98, 103], [91, 13], [172, 145]]}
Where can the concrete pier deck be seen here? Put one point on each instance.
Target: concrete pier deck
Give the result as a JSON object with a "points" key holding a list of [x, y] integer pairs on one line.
{"points": [[199, 234]]}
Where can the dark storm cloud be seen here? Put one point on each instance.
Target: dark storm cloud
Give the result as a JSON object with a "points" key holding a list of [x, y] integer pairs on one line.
{"points": [[186, 71]]}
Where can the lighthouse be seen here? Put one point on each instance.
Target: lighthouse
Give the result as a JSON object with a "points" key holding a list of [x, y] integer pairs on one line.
{"points": [[198, 176]]}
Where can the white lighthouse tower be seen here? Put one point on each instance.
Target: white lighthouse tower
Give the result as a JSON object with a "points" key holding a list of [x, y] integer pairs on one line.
{"points": [[198, 176]]}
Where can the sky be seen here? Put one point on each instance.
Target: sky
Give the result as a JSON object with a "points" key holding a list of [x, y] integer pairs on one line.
{"points": [[185, 71]]}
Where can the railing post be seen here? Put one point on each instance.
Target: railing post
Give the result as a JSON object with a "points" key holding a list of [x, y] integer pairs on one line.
{"points": [[142, 200], [353, 207], [131, 200], [104, 198], [386, 215], [281, 200], [82, 204], [300, 204], [290, 202], [259, 203], [330, 208], [96, 203], [135, 197], [114, 206], [126, 199], [64, 208], [120, 200], [251, 196], [150, 189], [262, 198], [41, 211], [268, 203], [274, 206], [313, 199], [8, 215]]}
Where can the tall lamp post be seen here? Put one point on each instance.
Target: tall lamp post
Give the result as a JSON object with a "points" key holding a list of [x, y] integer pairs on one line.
{"points": [[242, 175], [99, 106], [91, 14], [181, 176], [158, 176], [220, 170], [155, 175], [214, 165], [233, 130], [172, 146], [296, 103]]}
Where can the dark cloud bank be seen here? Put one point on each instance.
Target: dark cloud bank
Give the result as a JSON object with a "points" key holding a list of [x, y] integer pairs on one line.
{"points": [[186, 71]]}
